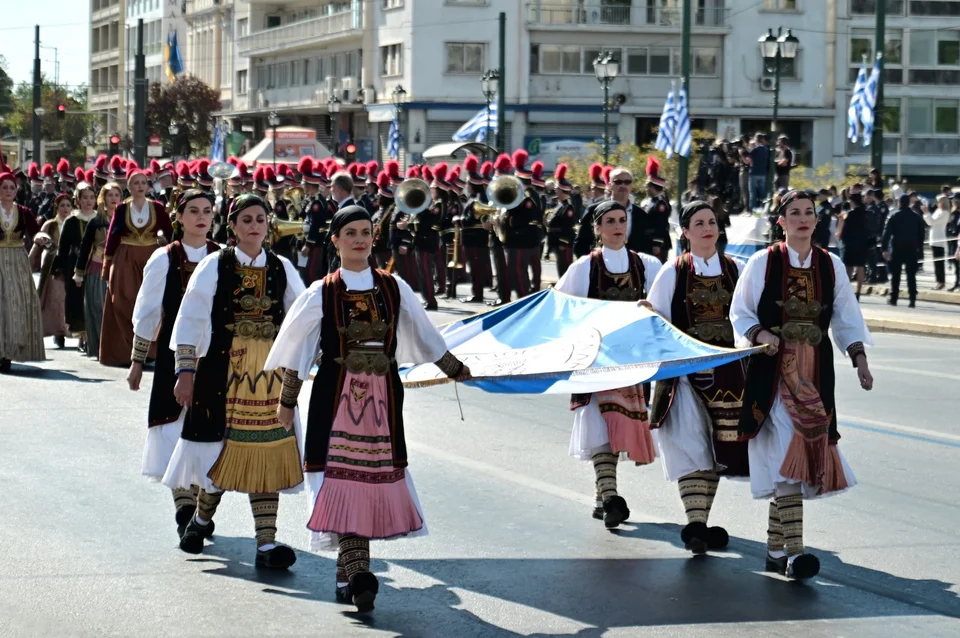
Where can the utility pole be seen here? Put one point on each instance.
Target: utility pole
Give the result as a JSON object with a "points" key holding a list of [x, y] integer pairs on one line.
{"points": [[37, 157], [501, 85], [877, 142], [683, 162], [140, 101], [776, 113]]}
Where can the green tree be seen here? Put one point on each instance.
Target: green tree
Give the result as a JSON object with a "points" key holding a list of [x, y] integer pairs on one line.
{"points": [[188, 103], [71, 131], [6, 96]]}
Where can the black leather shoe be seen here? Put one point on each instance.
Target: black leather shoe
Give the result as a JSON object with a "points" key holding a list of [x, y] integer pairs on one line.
{"points": [[803, 567], [717, 538], [184, 515], [615, 511], [695, 537], [776, 565], [472, 300], [364, 587], [280, 557], [192, 540]]}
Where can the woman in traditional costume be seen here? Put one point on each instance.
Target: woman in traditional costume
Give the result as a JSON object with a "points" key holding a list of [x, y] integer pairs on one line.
{"points": [[787, 298], [21, 324], [612, 424], [89, 272], [51, 286], [165, 280], [138, 226], [68, 254], [695, 417], [358, 323], [231, 440]]}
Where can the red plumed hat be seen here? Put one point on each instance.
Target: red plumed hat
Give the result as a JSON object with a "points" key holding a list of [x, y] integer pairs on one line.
{"points": [[413, 172], [184, 174], [520, 157], [653, 172], [373, 167], [131, 163], [258, 177], [385, 184], [392, 168], [63, 167], [361, 176], [453, 178], [305, 165], [154, 166], [426, 174], [440, 175], [352, 168], [116, 165], [88, 176], [232, 160], [269, 174], [606, 174], [100, 167], [536, 174], [560, 175], [596, 175], [47, 170], [34, 172], [502, 164], [202, 172], [78, 174], [486, 171]]}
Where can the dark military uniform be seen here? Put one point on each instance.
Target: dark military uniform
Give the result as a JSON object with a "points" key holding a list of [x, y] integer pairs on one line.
{"points": [[522, 227], [656, 231], [402, 250], [448, 235], [316, 224], [381, 232], [561, 234], [426, 240]]}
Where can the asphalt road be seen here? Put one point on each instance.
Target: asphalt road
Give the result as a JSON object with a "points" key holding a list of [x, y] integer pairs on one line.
{"points": [[91, 547]]}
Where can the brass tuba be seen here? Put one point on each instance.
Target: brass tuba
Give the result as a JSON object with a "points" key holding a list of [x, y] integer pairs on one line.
{"points": [[504, 193], [413, 197], [294, 198], [280, 228]]}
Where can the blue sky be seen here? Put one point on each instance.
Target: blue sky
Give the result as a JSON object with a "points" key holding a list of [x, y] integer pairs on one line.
{"points": [[64, 24]]}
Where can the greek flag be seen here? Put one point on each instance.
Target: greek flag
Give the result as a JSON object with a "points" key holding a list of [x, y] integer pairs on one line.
{"points": [[476, 126], [393, 140], [869, 103], [218, 150], [552, 343], [684, 139], [667, 128], [856, 104]]}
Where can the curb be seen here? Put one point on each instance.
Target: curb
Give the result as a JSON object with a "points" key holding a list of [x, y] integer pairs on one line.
{"points": [[913, 328], [935, 296]]}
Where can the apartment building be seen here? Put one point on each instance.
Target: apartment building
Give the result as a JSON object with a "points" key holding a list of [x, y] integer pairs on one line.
{"points": [[160, 19], [106, 95], [921, 105]]}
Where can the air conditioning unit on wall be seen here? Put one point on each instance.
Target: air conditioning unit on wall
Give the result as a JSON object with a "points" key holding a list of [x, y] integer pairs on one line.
{"points": [[768, 84]]}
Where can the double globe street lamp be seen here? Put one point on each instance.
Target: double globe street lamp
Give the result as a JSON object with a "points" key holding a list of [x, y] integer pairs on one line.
{"points": [[607, 68], [488, 84], [774, 49], [399, 96]]}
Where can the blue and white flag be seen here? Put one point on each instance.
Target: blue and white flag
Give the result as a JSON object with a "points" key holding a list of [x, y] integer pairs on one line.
{"points": [[667, 127], [218, 150], [476, 126], [553, 343], [393, 140], [869, 103], [684, 138], [856, 104]]}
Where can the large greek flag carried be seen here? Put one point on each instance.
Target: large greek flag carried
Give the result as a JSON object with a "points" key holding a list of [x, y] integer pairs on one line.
{"points": [[553, 343]]}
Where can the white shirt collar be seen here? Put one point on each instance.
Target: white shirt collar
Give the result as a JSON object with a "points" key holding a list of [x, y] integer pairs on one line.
{"points": [[362, 280], [704, 265], [795, 258], [247, 260], [616, 261]]}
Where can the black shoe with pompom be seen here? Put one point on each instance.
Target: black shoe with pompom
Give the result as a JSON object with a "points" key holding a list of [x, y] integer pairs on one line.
{"points": [[364, 588], [615, 511], [280, 557], [695, 537]]}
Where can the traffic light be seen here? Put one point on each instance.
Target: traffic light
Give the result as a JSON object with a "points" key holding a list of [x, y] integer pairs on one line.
{"points": [[61, 111], [114, 144], [350, 152]]}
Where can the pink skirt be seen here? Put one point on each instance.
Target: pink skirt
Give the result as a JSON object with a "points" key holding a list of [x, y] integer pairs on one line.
{"points": [[628, 427], [362, 492]]}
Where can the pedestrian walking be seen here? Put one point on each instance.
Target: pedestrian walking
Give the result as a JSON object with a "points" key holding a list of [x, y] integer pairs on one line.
{"points": [[902, 246]]}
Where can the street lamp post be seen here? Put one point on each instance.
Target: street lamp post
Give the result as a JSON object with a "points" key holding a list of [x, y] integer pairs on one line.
{"points": [[488, 84], [774, 49], [399, 97], [607, 68], [333, 104], [274, 122], [173, 129]]}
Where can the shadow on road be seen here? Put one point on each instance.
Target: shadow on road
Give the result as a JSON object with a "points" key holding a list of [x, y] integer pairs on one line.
{"points": [[471, 596], [45, 374]]}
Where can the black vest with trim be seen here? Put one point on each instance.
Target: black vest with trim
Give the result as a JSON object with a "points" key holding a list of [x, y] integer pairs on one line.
{"points": [[764, 371], [206, 420]]}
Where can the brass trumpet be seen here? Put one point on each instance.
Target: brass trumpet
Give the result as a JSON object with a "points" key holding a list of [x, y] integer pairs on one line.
{"points": [[455, 257]]}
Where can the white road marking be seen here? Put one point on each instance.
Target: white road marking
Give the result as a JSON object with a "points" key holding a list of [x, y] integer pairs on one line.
{"points": [[896, 427], [916, 371]]}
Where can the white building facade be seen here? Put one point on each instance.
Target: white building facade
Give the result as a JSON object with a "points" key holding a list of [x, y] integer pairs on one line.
{"points": [[160, 19], [208, 46], [106, 95]]}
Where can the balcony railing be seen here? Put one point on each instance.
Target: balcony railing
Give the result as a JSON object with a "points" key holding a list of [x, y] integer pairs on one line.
{"points": [[650, 14], [300, 34]]}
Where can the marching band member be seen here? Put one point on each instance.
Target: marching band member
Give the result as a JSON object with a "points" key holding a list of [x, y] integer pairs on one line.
{"points": [[316, 218], [609, 424], [401, 241], [561, 223], [165, 280], [787, 298], [359, 323], [696, 416], [138, 226], [231, 439], [381, 220], [475, 233], [21, 324], [426, 238], [522, 237]]}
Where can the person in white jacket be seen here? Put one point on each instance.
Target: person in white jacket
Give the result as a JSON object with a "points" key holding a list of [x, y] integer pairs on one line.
{"points": [[937, 220]]}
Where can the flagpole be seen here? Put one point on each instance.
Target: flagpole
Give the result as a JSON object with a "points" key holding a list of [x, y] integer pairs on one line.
{"points": [[683, 162], [877, 142]]}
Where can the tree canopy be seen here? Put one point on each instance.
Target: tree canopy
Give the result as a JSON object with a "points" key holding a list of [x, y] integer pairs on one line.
{"points": [[73, 131], [188, 103]]}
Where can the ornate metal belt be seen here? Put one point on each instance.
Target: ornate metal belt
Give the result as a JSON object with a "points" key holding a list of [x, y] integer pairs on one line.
{"points": [[359, 331], [618, 294], [801, 331], [705, 297], [360, 362], [713, 331], [253, 329], [249, 303]]}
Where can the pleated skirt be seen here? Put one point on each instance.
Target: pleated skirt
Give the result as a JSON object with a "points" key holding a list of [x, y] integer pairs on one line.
{"points": [[21, 322]]}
